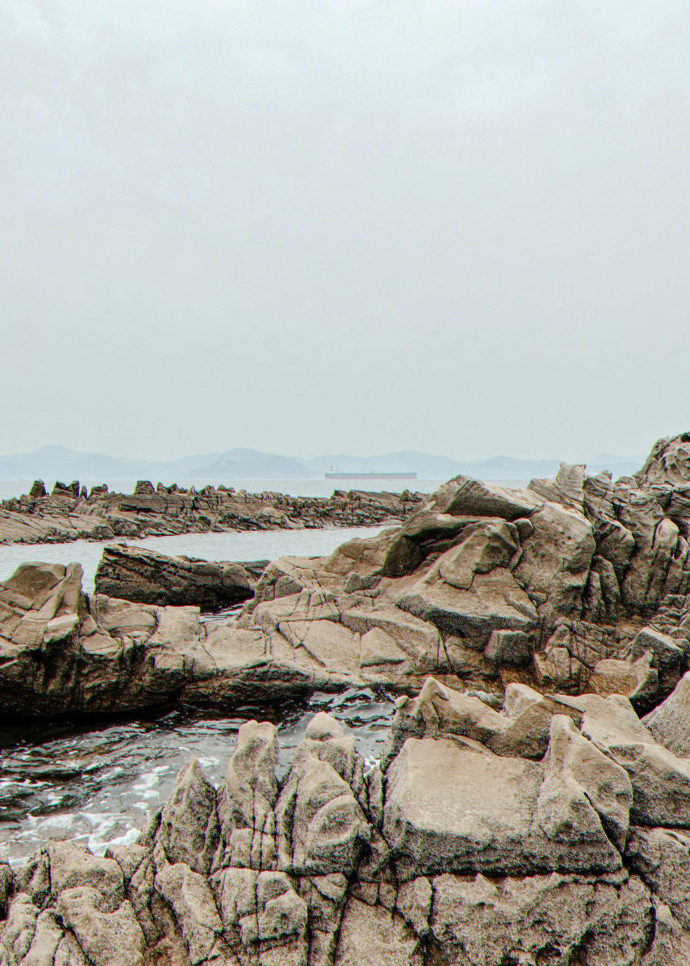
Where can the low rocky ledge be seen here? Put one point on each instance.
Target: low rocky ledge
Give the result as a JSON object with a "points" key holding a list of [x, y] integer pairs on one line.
{"points": [[455, 850], [69, 512]]}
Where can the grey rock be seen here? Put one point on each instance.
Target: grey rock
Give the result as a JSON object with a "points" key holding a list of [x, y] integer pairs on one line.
{"points": [[107, 938], [579, 778], [539, 918], [373, 934], [465, 496], [189, 823], [662, 858], [72, 866], [247, 800], [147, 577], [453, 806], [666, 652], [636, 680], [191, 898], [320, 825], [660, 780], [509, 649]]}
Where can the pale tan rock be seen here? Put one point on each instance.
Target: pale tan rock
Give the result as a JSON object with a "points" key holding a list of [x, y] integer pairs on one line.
{"points": [[106, 938], [121, 618], [188, 830], [450, 807], [463, 495], [360, 556], [72, 866], [660, 780], [484, 921], [320, 825], [247, 799], [494, 602], [669, 722], [636, 680], [195, 909], [576, 776], [372, 934], [662, 857]]}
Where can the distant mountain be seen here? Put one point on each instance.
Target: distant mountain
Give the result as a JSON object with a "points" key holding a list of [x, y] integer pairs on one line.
{"points": [[239, 464], [250, 465]]}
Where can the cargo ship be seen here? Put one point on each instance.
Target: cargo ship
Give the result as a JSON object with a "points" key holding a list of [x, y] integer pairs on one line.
{"points": [[339, 475]]}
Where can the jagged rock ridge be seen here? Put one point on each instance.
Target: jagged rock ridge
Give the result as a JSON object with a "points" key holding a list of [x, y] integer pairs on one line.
{"points": [[513, 827], [455, 850], [69, 512], [573, 584]]}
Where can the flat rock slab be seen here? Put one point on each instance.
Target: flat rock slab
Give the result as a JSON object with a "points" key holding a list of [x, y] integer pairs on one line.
{"points": [[452, 806]]}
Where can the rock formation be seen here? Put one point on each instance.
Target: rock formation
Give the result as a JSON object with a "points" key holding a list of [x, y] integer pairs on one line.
{"points": [[70, 513], [533, 804], [574, 584], [458, 849], [146, 577]]}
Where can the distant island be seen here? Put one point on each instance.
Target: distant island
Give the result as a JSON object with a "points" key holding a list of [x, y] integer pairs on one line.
{"points": [[238, 464]]}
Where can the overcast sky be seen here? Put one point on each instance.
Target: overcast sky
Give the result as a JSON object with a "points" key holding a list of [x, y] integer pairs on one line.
{"points": [[458, 226]]}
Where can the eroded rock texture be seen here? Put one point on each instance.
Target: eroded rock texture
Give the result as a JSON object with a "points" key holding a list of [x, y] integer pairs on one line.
{"points": [[70, 513], [145, 577], [457, 850], [577, 584]]}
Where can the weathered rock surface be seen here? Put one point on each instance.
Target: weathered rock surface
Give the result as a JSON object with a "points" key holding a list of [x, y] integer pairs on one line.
{"points": [[445, 853], [541, 824], [577, 584], [69, 513], [146, 577]]}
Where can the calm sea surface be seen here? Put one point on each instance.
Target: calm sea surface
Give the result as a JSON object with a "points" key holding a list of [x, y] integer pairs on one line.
{"points": [[247, 545]]}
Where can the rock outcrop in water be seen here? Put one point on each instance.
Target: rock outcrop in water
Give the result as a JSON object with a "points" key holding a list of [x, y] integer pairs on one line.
{"points": [[146, 577], [574, 584], [70, 513], [464, 847]]}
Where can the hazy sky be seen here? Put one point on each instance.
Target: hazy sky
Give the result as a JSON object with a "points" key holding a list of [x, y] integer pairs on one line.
{"points": [[459, 226]]}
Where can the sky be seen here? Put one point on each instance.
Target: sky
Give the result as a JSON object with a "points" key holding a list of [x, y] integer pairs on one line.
{"points": [[453, 226]]}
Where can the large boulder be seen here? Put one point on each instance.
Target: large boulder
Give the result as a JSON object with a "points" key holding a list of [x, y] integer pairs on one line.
{"points": [[146, 577]]}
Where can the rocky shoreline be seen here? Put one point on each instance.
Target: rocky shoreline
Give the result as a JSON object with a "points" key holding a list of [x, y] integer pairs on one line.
{"points": [[448, 852], [533, 804], [70, 512]]}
